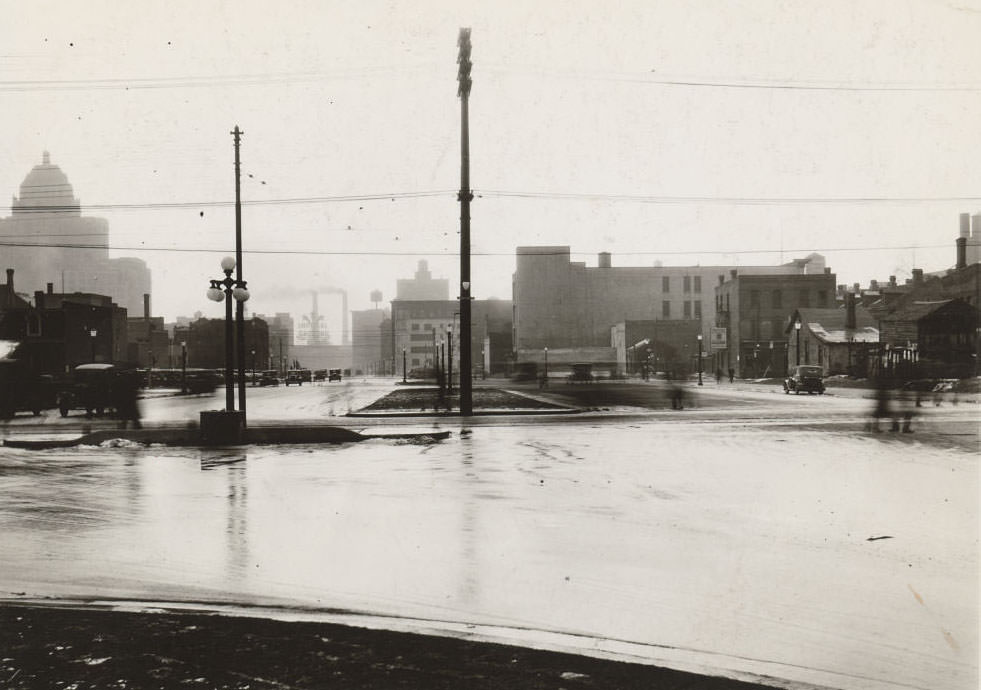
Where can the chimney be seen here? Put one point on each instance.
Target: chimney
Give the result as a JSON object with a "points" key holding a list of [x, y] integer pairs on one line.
{"points": [[961, 252], [873, 285], [917, 277], [146, 306], [732, 273], [965, 225], [51, 288], [10, 279], [827, 270], [855, 288], [722, 278], [604, 260], [850, 310], [892, 281], [38, 299]]}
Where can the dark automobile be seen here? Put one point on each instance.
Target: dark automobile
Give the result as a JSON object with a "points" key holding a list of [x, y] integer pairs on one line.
{"points": [[320, 375], [21, 389], [334, 375], [268, 378], [298, 376], [89, 389], [805, 377]]}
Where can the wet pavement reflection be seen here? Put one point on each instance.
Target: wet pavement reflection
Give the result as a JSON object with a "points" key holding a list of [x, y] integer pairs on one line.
{"points": [[724, 547]]}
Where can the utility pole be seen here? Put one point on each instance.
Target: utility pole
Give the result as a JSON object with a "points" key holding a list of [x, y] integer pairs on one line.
{"points": [[466, 196], [240, 304]]}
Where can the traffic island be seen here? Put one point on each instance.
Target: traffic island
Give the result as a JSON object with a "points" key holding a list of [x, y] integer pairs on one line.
{"points": [[222, 427], [192, 437], [429, 401]]}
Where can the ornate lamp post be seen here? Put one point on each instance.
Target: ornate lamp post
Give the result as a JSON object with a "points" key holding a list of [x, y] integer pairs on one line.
{"points": [[403, 365], [449, 360], [797, 330], [92, 334], [226, 290], [699, 355], [546, 362], [183, 366]]}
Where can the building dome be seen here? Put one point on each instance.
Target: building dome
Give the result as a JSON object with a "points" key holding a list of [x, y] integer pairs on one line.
{"points": [[46, 190]]}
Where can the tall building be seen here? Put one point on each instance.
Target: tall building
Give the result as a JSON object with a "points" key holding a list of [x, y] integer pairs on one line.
{"points": [[560, 303], [46, 239]]}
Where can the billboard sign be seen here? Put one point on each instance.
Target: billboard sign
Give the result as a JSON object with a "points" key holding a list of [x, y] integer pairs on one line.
{"points": [[717, 339]]}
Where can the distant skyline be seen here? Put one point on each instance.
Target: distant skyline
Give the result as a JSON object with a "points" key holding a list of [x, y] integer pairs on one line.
{"points": [[688, 133]]}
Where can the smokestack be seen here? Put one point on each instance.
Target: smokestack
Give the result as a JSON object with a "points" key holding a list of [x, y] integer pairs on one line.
{"points": [[961, 252], [965, 225], [10, 279], [873, 285], [732, 273], [604, 260], [827, 270], [850, 310], [855, 288], [146, 306], [51, 288], [917, 277]]}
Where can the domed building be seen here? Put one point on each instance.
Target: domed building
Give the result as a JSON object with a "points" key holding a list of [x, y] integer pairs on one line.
{"points": [[46, 239]]}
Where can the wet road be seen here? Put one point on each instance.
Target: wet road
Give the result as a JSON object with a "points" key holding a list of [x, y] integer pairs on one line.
{"points": [[730, 541]]}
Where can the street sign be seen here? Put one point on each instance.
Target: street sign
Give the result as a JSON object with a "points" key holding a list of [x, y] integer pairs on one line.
{"points": [[717, 338]]}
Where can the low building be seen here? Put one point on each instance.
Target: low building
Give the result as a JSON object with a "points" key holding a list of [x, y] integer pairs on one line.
{"points": [[840, 340], [205, 342], [930, 339], [648, 346]]}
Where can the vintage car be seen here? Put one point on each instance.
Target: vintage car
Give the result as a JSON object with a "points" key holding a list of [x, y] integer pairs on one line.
{"points": [[23, 390], [89, 388], [804, 377], [334, 375]]}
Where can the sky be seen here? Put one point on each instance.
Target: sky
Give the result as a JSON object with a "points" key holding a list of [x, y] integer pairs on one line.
{"points": [[696, 132]]}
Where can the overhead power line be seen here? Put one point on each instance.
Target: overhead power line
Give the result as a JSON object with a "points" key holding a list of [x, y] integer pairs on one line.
{"points": [[447, 252], [517, 194]]}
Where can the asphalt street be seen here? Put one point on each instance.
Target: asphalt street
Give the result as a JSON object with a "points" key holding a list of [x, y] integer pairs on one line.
{"points": [[752, 535]]}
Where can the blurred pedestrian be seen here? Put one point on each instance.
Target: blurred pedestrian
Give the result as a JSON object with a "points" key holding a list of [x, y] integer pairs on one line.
{"points": [[881, 408], [125, 389], [732, 374], [902, 419], [718, 375], [677, 395]]}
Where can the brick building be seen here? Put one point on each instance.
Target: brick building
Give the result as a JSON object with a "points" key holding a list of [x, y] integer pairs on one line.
{"points": [[560, 303], [755, 310]]}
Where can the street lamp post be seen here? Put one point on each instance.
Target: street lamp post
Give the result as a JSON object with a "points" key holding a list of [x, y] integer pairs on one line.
{"points": [[797, 331], [403, 366], [449, 360], [92, 334], [699, 355], [253, 366], [183, 366], [225, 290], [546, 362]]}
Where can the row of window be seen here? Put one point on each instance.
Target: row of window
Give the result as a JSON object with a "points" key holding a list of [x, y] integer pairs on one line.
{"points": [[686, 283], [689, 309], [776, 299]]}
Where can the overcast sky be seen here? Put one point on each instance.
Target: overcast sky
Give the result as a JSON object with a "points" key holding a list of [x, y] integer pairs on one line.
{"points": [[686, 132]]}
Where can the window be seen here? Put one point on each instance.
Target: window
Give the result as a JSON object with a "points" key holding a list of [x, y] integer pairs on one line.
{"points": [[666, 308], [687, 309], [804, 298], [727, 302], [415, 327], [666, 284], [698, 309], [822, 298], [686, 284], [777, 299], [754, 298], [698, 283]]}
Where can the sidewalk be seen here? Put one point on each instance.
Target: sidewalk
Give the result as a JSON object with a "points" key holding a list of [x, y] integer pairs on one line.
{"points": [[45, 647]]}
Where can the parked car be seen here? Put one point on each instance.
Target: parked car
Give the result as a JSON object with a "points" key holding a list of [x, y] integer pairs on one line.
{"points": [[89, 388], [320, 375], [804, 377], [268, 378], [21, 389], [334, 375]]}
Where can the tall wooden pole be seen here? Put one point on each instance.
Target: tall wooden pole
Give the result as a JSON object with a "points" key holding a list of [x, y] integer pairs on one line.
{"points": [[239, 304], [466, 196]]}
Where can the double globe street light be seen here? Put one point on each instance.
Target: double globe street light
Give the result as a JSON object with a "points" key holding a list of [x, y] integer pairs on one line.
{"points": [[226, 290]]}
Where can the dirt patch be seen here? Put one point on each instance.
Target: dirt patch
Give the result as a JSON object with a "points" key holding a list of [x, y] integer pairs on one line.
{"points": [[427, 399], [83, 650]]}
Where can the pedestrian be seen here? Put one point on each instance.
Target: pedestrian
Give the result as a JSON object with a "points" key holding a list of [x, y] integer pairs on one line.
{"points": [[732, 374], [125, 388], [677, 395], [718, 375], [881, 407]]}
